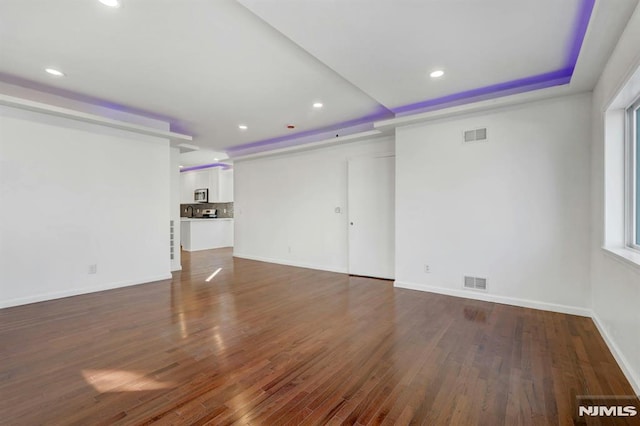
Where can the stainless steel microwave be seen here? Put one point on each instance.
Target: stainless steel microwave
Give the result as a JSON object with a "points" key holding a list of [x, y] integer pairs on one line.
{"points": [[201, 195]]}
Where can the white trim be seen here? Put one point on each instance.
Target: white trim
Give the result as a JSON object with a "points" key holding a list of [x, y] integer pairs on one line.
{"points": [[630, 171], [624, 255], [476, 107], [624, 365], [525, 303], [79, 291], [370, 134], [622, 96], [383, 154], [25, 104], [205, 248], [292, 263]]}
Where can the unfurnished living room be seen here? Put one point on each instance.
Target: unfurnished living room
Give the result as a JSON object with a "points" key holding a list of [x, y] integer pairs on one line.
{"points": [[278, 212]]}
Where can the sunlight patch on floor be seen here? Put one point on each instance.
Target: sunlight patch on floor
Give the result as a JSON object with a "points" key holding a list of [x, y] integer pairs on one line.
{"points": [[213, 275], [122, 381]]}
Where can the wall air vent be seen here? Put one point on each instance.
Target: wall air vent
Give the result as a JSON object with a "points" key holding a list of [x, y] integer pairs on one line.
{"points": [[171, 240], [469, 282], [475, 135], [475, 283]]}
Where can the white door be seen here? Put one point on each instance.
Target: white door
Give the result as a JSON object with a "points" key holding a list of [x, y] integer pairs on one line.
{"points": [[371, 199]]}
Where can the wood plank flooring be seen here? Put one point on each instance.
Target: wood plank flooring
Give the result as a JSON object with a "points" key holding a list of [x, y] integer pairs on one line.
{"points": [[265, 344]]}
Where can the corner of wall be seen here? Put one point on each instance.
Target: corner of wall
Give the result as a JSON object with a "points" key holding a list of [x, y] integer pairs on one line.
{"points": [[623, 362]]}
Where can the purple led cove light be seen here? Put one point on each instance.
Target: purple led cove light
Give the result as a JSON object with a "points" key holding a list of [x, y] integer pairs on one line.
{"points": [[381, 114], [541, 81], [223, 166], [536, 82], [174, 124], [579, 31]]}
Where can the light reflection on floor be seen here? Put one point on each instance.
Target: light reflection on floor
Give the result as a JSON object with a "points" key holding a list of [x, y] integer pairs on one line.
{"points": [[122, 381], [213, 275]]}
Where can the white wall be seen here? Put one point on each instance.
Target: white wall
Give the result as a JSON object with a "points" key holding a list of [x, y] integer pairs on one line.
{"points": [[71, 195], [514, 209], [615, 283], [285, 206]]}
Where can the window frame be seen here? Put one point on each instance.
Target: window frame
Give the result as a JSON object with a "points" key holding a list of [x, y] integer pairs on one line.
{"points": [[632, 169]]}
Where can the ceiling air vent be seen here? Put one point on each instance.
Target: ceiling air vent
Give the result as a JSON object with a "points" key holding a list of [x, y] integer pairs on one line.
{"points": [[475, 283], [475, 135]]}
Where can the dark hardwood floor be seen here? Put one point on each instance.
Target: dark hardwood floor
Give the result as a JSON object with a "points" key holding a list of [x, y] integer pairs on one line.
{"points": [[265, 344]]}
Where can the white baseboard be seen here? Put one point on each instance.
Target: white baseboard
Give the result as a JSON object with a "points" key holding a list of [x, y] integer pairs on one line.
{"points": [[205, 248], [631, 375], [525, 303], [292, 263], [78, 291]]}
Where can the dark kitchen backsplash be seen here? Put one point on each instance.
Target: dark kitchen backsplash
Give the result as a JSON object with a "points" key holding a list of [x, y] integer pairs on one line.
{"points": [[224, 210]]}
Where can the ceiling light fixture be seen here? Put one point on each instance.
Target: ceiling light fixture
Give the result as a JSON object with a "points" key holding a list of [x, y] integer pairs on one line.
{"points": [[436, 74], [318, 105], [242, 127], [54, 72], [111, 3]]}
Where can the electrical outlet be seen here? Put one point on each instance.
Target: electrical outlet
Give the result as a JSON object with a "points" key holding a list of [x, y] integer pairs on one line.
{"points": [[427, 269], [93, 269]]}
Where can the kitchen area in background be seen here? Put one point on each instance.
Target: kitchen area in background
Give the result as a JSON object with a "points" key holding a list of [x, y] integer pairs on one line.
{"points": [[206, 205]]}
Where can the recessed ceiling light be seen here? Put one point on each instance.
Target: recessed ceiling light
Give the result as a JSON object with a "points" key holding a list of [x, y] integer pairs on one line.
{"points": [[242, 127], [181, 166], [216, 159], [436, 74], [111, 3], [55, 72], [318, 105]]}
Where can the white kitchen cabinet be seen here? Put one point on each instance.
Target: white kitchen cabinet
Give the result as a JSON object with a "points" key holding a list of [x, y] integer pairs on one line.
{"points": [[187, 186], [213, 182], [201, 178], [219, 183], [205, 234], [190, 181], [226, 185]]}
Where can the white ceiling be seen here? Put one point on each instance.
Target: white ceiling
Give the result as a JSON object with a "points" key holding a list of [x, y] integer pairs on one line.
{"points": [[208, 66], [203, 156], [387, 48]]}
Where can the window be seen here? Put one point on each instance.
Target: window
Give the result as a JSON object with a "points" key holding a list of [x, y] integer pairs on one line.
{"points": [[633, 175], [621, 183]]}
